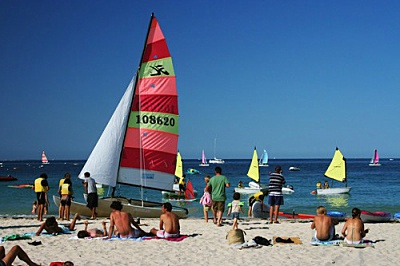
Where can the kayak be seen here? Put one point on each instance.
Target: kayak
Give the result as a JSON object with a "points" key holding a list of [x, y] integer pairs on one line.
{"points": [[341, 216], [8, 178], [296, 215], [375, 217]]}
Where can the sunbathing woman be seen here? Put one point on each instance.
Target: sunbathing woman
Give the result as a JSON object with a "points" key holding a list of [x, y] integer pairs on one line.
{"points": [[93, 232], [51, 226]]}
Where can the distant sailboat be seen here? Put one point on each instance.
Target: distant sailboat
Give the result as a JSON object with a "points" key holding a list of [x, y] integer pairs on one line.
{"points": [[216, 160], [254, 174], [44, 158], [264, 159], [375, 159], [336, 171], [203, 159]]}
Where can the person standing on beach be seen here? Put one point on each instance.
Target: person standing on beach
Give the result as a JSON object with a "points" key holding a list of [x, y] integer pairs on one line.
{"points": [[218, 183], [41, 186], [275, 198], [63, 212], [91, 191], [353, 230], [169, 223], [206, 198], [324, 225]]}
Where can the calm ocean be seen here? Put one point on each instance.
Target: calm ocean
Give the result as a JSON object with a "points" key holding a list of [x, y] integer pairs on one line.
{"points": [[373, 188]]}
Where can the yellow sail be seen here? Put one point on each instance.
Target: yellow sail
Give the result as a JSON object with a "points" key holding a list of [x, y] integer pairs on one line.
{"points": [[179, 165], [337, 168], [254, 172]]}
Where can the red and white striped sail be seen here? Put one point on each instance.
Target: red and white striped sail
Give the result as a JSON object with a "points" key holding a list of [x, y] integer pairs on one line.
{"points": [[139, 145], [44, 158]]}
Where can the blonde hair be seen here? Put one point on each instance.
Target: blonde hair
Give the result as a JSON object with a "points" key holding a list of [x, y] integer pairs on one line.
{"points": [[321, 210], [207, 178]]}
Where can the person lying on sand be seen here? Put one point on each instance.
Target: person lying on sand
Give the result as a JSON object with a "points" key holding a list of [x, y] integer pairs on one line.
{"points": [[51, 225], [353, 230], [123, 222], [93, 232], [169, 223], [324, 225], [15, 251]]}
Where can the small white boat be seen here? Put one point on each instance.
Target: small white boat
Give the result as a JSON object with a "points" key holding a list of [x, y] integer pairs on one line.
{"points": [[293, 168], [216, 160], [336, 171], [375, 159], [203, 159]]}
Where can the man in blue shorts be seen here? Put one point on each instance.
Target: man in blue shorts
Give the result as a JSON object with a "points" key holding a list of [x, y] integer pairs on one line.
{"points": [[275, 198]]}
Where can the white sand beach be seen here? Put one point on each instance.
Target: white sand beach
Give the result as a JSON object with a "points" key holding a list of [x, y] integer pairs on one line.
{"points": [[209, 247]]}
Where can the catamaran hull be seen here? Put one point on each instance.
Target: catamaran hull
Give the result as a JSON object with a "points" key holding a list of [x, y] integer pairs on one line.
{"points": [[375, 217], [332, 191], [374, 164], [254, 188], [134, 207]]}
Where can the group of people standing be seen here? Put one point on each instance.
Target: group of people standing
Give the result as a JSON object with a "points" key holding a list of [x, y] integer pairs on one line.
{"points": [[214, 197], [65, 191]]}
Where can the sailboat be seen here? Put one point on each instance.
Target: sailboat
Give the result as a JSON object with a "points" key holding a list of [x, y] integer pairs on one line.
{"points": [[375, 159], [216, 160], [336, 171], [203, 159], [44, 158], [254, 174], [138, 147], [190, 194], [264, 159]]}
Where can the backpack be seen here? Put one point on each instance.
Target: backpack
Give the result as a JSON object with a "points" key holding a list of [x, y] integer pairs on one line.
{"points": [[235, 236]]}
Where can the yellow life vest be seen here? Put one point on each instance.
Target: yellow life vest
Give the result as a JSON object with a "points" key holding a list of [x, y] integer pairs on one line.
{"points": [[61, 182], [181, 181], [65, 189], [38, 185]]}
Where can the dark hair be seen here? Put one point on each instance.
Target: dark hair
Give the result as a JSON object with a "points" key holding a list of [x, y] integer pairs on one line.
{"points": [[86, 174], [236, 195], [43, 175], [116, 205], [278, 169], [67, 175], [355, 212], [68, 263], [67, 181], [167, 206], [261, 197], [218, 170], [50, 221], [83, 234]]}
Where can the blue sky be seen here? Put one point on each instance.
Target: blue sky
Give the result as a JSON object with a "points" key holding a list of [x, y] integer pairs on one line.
{"points": [[297, 78]]}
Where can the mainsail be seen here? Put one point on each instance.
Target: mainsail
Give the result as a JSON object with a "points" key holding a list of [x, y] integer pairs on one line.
{"points": [[337, 169], [264, 159], [254, 171], [139, 144], [179, 165], [375, 159]]}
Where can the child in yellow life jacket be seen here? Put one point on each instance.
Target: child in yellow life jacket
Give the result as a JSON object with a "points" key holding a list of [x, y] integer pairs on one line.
{"points": [[66, 198]]}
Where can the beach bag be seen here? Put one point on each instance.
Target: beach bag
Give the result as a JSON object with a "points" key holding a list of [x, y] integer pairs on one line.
{"points": [[235, 236], [206, 199], [262, 241]]}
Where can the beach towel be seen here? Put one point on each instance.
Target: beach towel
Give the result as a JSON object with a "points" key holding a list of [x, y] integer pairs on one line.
{"points": [[249, 244], [171, 239], [364, 244], [316, 242], [287, 240], [15, 237]]}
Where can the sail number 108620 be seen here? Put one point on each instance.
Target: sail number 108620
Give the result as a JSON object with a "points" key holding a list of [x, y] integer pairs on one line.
{"points": [[155, 120]]}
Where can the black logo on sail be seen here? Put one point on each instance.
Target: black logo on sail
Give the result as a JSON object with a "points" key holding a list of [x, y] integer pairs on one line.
{"points": [[159, 70]]}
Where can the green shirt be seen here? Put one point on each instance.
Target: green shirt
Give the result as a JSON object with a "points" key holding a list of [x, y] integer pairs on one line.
{"points": [[218, 183]]}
